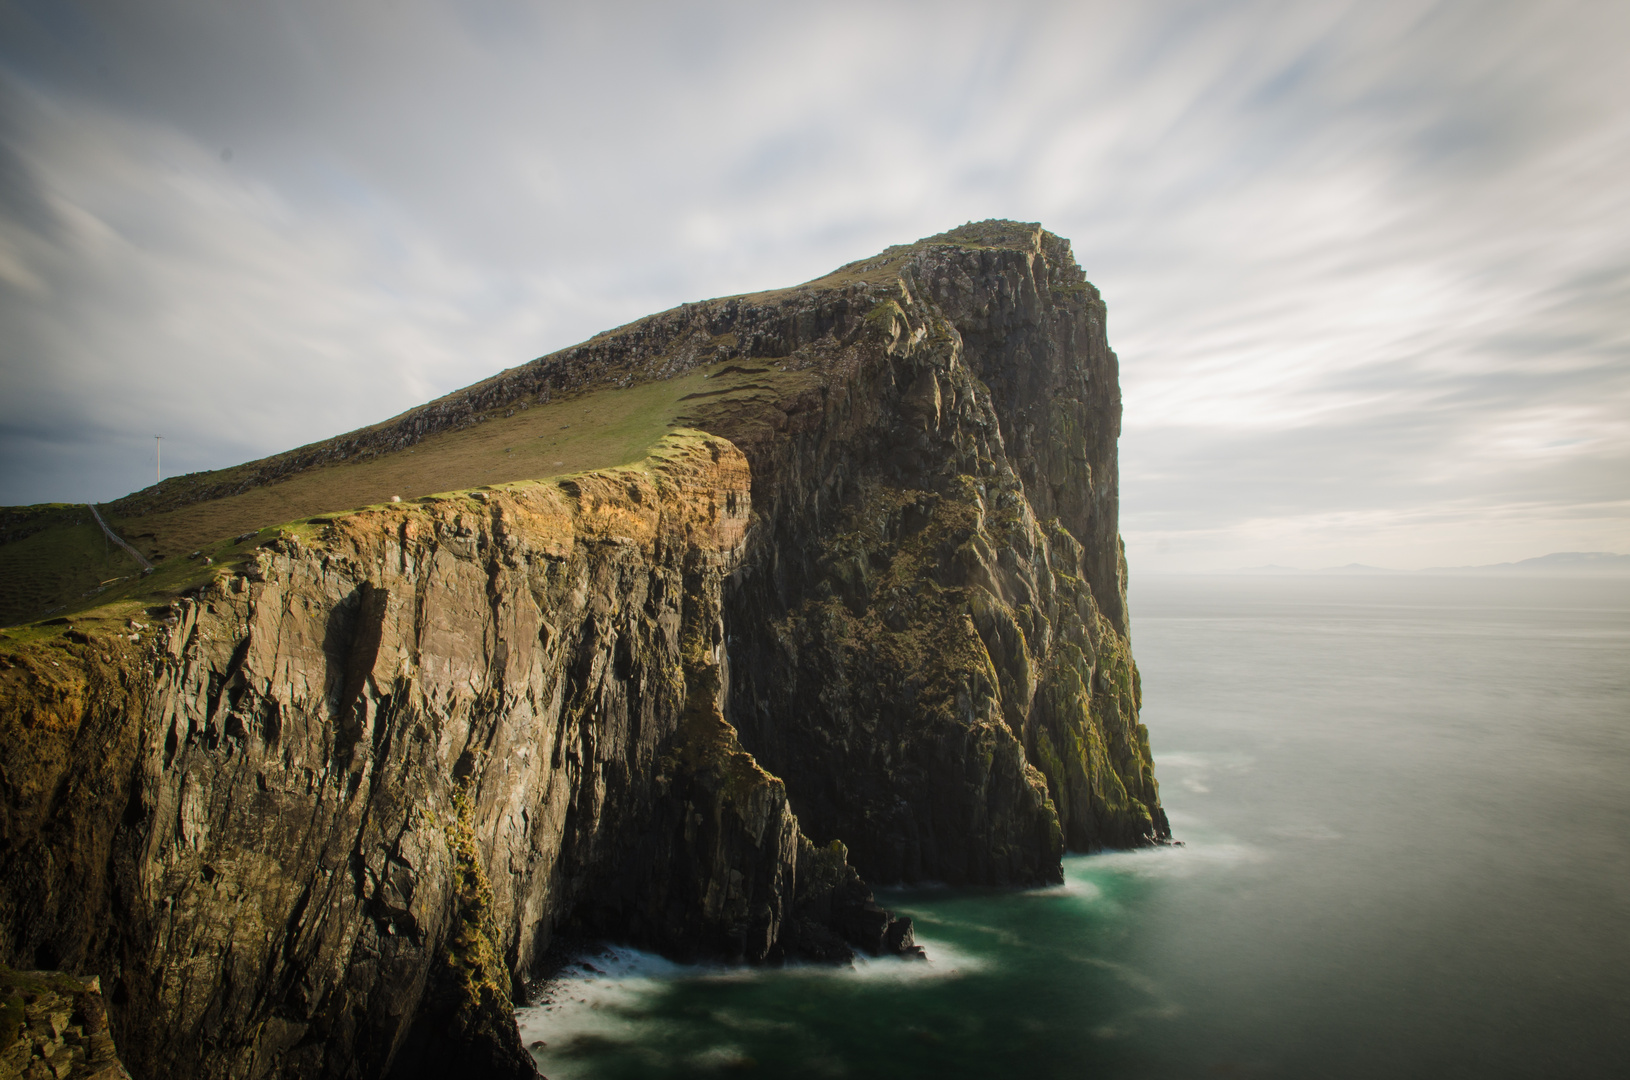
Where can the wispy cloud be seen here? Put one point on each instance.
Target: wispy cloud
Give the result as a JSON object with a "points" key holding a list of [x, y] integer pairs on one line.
{"points": [[1366, 263]]}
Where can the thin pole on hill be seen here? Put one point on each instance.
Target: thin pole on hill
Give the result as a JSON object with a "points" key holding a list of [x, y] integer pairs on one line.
{"points": [[158, 458]]}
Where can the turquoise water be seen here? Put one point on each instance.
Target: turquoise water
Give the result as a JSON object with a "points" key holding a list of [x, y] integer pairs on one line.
{"points": [[1406, 807]]}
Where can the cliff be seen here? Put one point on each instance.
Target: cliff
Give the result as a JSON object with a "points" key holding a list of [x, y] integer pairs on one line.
{"points": [[315, 805]]}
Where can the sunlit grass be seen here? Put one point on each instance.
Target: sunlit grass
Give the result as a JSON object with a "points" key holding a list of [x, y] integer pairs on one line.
{"points": [[59, 567]]}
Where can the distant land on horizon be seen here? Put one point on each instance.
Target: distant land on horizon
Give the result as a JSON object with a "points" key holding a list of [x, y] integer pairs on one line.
{"points": [[1556, 564]]}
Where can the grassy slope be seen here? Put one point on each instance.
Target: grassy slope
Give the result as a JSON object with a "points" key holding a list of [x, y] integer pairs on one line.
{"points": [[63, 565], [596, 430], [62, 558], [60, 565], [593, 431]]}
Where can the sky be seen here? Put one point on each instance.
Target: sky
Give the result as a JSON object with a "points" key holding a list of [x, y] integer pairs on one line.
{"points": [[1367, 265]]}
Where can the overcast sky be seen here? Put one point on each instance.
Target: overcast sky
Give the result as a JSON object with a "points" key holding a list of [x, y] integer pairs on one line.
{"points": [[1367, 265]]}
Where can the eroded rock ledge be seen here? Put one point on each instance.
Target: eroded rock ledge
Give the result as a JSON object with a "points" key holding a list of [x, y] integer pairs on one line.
{"points": [[55, 1027]]}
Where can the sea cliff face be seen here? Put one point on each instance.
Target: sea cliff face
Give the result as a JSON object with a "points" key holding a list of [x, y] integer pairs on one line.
{"points": [[928, 639], [321, 814], [343, 795]]}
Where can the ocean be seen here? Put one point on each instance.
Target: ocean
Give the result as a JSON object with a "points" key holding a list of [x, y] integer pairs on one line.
{"points": [[1405, 811]]}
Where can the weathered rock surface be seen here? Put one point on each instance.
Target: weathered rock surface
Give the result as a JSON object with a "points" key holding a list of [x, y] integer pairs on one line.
{"points": [[322, 819], [928, 638], [320, 827], [55, 1027]]}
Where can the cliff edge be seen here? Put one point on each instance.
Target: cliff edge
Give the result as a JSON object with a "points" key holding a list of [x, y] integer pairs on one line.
{"points": [[313, 804]]}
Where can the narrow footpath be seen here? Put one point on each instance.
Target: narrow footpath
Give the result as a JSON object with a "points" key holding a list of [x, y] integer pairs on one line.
{"points": [[134, 554]]}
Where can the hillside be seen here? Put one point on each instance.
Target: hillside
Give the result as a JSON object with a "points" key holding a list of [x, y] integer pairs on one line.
{"points": [[678, 637]]}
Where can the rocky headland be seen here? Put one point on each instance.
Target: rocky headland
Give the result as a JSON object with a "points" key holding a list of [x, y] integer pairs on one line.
{"points": [[316, 807]]}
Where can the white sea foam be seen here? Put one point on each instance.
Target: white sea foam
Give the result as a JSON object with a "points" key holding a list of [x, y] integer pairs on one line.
{"points": [[607, 997], [603, 998], [721, 1057], [1193, 857], [1226, 761], [945, 961], [999, 934], [1083, 888]]}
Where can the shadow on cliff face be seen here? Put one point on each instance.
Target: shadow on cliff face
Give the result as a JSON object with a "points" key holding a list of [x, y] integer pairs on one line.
{"points": [[351, 641]]}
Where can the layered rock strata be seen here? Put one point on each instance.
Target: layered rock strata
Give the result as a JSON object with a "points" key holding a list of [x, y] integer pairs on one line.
{"points": [[318, 820], [928, 637], [55, 1027], [869, 615]]}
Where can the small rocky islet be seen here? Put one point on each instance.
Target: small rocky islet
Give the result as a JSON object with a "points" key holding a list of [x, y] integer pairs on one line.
{"points": [[316, 799]]}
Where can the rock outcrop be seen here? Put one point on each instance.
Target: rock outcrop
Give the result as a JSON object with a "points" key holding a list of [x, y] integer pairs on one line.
{"points": [[55, 1027], [928, 638], [321, 815]]}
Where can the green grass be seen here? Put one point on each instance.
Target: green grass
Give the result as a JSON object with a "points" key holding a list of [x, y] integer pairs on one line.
{"points": [[596, 430], [62, 559], [61, 563], [54, 559]]}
